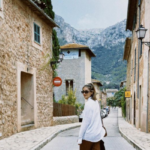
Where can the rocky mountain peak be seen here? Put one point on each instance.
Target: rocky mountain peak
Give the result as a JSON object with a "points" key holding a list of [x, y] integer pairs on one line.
{"points": [[107, 44]]}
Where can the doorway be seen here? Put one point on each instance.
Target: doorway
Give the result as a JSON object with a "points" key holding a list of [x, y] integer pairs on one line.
{"points": [[134, 113], [27, 99]]}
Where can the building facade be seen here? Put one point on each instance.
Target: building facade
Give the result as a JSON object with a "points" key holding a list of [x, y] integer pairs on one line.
{"points": [[75, 70], [137, 56], [97, 84], [111, 92], [104, 99], [26, 91]]}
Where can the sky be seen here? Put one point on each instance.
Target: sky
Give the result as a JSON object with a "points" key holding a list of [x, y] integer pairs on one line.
{"points": [[90, 14]]}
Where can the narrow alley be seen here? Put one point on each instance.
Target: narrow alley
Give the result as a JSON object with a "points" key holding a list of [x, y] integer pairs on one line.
{"points": [[114, 141]]}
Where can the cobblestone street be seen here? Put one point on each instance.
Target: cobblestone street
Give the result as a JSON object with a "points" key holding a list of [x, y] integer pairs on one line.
{"points": [[68, 140]]}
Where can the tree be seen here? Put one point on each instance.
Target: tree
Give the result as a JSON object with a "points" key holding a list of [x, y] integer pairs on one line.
{"points": [[49, 8]]}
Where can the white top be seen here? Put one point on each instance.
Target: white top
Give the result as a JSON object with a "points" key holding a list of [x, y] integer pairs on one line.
{"points": [[91, 127]]}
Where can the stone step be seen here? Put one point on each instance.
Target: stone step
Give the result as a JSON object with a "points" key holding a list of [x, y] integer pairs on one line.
{"points": [[25, 121], [27, 127]]}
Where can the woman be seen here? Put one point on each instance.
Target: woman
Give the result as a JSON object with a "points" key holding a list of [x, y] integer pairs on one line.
{"points": [[91, 131]]}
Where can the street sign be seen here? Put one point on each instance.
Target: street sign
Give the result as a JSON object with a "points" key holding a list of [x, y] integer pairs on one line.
{"points": [[127, 94], [57, 81]]}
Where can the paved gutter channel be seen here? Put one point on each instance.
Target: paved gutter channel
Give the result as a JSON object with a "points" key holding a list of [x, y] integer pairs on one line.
{"points": [[47, 140], [134, 144]]}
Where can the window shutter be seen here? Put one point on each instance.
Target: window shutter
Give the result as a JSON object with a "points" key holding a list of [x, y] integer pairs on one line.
{"points": [[37, 33]]}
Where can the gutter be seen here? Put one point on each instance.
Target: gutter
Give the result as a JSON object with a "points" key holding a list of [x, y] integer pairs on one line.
{"points": [[41, 11], [147, 92]]}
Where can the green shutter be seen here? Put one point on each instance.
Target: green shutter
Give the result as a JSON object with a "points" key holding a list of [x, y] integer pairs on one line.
{"points": [[37, 33]]}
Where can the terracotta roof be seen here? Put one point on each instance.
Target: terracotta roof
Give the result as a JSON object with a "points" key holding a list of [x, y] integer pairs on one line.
{"points": [[78, 46], [130, 14], [35, 8], [127, 48], [97, 81]]}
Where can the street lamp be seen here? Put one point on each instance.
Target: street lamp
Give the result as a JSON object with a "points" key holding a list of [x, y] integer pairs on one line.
{"points": [[61, 57], [141, 32]]}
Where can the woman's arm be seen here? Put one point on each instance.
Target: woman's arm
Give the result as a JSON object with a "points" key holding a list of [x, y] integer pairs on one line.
{"points": [[87, 115]]}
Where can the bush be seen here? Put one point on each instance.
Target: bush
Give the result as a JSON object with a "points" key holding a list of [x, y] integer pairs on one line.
{"points": [[63, 100], [71, 100], [79, 108]]}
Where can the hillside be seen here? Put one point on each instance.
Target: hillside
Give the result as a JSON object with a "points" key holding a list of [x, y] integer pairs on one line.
{"points": [[107, 44]]}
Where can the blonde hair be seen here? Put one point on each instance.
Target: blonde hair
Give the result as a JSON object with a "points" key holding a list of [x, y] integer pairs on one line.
{"points": [[91, 87]]}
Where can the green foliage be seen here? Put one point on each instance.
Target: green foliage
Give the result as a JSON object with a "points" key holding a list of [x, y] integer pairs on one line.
{"points": [[70, 99], [49, 11], [63, 100], [109, 67], [123, 105], [79, 108], [118, 100], [110, 101], [119, 96], [49, 8]]}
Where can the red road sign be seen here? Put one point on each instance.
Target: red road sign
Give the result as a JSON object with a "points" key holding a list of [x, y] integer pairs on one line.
{"points": [[57, 81]]}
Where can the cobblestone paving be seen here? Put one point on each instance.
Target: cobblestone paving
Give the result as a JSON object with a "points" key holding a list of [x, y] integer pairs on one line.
{"points": [[30, 139], [113, 141], [140, 139]]}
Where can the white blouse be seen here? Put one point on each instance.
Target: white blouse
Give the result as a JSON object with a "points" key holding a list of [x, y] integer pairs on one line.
{"points": [[91, 127]]}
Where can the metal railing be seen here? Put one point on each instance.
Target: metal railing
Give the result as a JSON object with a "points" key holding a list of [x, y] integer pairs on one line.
{"points": [[27, 102]]}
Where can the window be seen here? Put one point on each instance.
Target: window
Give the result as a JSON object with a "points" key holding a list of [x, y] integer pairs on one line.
{"points": [[134, 21], [79, 52], [135, 66], [37, 33], [69, 85]]}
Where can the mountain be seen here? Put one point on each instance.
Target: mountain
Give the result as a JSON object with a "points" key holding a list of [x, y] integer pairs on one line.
{"points": [[107, 44]]}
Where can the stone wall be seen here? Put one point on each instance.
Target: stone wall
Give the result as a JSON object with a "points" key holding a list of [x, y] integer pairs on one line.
{"points": [[128, 86], [139, 106], [104, 99], [65, 120], [16, 41]]}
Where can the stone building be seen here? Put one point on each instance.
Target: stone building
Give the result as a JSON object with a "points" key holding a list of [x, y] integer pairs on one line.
{"points": [[75, 70], [97, 84], [138, 60], [104, 99], [111, 92], [26, 91], [127, 57]]}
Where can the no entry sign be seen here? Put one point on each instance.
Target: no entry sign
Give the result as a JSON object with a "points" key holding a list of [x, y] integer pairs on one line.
{"points": [[57, 81]]}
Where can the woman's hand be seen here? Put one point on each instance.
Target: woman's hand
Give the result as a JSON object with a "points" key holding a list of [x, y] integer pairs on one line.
{"points": [[79, 141]]}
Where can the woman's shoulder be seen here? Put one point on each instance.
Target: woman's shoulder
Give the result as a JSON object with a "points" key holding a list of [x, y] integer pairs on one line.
{"points": [[90, 102]]}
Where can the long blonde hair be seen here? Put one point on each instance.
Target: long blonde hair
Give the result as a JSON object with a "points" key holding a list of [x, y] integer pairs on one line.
{"points": [[91, 87]]}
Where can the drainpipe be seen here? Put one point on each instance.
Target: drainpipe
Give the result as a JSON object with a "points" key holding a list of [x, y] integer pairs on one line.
{"points": [[139, 48], [147, 91]]}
